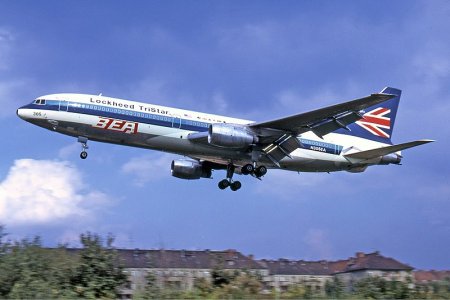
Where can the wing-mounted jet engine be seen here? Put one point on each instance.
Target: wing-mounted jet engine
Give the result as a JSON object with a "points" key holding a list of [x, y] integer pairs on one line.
{"points": [[189, 169], [231, 136]]}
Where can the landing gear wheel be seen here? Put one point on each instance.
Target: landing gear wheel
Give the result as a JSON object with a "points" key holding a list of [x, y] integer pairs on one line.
{"points": [[247, 169], [235, 185], [223, 184], [260, 171], [83, 155], [83, 141]]}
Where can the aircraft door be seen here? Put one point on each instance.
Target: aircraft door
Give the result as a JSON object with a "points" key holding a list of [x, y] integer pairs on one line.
{"points": [[176, 122], [63, 105]]}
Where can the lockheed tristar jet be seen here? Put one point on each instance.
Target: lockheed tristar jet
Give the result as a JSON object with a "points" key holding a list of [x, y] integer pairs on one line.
{"points": [[349, 136]]}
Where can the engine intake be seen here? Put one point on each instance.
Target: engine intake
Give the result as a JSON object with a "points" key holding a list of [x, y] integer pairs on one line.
{"points": [[189, 169], [230, 136]]}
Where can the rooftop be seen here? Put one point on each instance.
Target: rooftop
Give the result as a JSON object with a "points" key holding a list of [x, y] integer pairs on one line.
{"points": [[187, 259], [232, 259], [432, 275]]}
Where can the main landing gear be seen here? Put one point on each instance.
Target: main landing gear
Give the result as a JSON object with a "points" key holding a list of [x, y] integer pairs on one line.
{"points": [[245, 170], [257, 172], [83, 140], [234, 185]]}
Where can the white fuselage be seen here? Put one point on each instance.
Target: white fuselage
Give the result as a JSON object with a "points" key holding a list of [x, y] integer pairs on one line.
{"points": [[138, 124]]}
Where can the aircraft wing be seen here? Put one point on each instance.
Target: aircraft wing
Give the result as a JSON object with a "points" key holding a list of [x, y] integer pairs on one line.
{"points": [[324, 120], [377, 152], [278, 138]]}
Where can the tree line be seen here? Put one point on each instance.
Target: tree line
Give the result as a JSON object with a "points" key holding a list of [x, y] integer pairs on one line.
{"points": [[29, 271]]}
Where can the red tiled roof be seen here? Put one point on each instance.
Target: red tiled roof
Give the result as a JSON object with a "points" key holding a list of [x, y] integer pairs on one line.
{"points": [[186, 259], [373, 261], [300, 267], [425, 276]]}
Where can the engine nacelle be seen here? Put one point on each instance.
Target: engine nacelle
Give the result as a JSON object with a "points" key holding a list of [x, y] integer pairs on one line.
{"points": [[357, 169], [189, 169], [230, 136]]}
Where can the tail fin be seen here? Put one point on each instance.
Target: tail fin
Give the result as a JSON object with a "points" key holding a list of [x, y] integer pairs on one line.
{"points": [[378, 121]]}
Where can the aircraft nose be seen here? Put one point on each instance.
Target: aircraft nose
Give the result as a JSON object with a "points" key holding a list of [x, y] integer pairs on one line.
{"points": [[21, 113]]}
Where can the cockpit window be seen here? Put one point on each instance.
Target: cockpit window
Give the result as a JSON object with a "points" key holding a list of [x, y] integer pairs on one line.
{"points": [[39, 101]]}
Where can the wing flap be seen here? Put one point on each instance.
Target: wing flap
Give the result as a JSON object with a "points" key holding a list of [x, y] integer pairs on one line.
{"points": [[332, 124], [281, 148], [377, 152]]}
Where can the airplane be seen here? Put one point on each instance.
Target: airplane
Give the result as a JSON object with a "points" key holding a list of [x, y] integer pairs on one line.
{"points": [[349, 136]]}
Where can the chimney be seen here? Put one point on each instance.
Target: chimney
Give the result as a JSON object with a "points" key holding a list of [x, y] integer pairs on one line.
{"points": [[360, 254]]}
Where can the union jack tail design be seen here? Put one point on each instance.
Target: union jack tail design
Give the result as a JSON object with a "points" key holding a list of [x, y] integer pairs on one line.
{"points": [[378, 121]]}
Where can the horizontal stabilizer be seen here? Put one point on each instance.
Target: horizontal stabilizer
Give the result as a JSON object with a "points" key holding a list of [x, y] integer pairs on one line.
{"points": [[377, 152]]}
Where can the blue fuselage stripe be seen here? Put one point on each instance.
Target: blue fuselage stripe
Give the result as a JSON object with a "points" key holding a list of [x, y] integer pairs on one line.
{"points": [[320, 146], [160, 120], [124, 114]]}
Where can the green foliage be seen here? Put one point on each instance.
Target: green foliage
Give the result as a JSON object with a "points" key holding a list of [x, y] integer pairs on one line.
{"points": [[202, 287], [380, 288], [98, 274], [222, 277], [29, 271], [335, 288], [241, 285]]}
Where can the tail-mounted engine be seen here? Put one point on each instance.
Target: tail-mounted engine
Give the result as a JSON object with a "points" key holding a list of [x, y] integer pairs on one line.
{"points": [[230, 136], [189, 169]]}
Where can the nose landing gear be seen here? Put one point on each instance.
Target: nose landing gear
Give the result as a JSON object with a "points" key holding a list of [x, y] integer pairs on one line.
{"points": [[83, 140]]}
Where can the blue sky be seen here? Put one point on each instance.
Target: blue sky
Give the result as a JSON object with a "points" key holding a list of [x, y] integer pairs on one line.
{"points": [[255, 60]]}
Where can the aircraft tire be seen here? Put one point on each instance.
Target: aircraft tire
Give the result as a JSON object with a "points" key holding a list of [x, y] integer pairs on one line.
{"points": [[235, 186], [223, 184], [260, 171], [247, 169], [83, 155]]}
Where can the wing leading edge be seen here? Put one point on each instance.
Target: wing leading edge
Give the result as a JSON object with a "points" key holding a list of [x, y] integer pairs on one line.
{"points": [[324, 120]]}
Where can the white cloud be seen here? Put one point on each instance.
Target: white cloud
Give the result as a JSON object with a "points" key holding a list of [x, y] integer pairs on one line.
{"points": [[148, 168], [44, 191]]}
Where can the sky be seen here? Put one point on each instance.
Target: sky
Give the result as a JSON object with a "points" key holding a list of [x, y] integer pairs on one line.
{"points": [[255, 60]]}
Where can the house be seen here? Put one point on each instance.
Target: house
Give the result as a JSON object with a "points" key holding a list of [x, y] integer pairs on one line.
{"points": [[370, 265], [315, 274], [178, 269], [425, 277], [283, 273]]}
